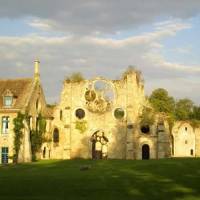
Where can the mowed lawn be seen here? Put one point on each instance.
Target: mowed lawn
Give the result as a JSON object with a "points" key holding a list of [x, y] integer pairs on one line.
{"points": [[106, 179]]}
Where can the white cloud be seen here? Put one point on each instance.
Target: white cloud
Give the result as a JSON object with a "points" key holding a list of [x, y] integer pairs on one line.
{"points": [[94, 56], [40, 24]]}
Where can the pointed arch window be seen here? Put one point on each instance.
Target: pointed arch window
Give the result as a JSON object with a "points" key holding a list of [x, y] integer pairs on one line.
{"points": [[56, 135]]}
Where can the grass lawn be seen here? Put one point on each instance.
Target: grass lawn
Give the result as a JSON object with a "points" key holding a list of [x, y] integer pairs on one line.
{"points": [[106, 179]]}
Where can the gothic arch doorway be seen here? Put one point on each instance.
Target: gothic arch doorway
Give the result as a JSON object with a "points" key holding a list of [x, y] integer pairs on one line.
{"points": [[145, 152], [99, 145]]}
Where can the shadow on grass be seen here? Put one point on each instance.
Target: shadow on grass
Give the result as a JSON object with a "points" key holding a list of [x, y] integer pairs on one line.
{"points": [[106, 179]]}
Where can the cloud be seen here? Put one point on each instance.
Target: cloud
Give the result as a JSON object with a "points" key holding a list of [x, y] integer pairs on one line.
{"points": [[93, 56], [94, 16]]}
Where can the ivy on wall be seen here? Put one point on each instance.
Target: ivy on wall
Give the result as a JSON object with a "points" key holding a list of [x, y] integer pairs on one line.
{"points": [[37, 136], [18, 130], [81, 125], [147, 117]]}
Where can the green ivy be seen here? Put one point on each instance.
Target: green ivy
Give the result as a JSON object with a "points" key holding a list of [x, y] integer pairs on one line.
{"points": [[37, 136], [18, 130], [81, 125], [147, 117]]}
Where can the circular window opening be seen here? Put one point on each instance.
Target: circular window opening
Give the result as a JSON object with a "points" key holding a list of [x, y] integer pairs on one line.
{"points": [[90, 95], [80, 113], [119, 113], [145, 129]]}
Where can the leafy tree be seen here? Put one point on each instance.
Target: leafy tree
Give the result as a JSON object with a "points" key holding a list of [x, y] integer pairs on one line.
{"points": [[184, 109], [196, 112], [161, 101]]}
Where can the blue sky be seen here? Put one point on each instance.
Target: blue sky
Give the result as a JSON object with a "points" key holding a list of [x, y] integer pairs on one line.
{"points": [[160, 37]]}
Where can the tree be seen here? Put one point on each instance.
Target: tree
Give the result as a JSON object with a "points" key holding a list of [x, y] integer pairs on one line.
{"points": [[196, 112], [161, 101], [184, 109]]}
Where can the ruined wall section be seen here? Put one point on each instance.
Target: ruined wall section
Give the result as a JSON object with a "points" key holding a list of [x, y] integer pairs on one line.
{"points": [[128, 96]]}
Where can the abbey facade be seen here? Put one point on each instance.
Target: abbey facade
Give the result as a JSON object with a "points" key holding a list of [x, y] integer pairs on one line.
{"points": [[97, 119]]}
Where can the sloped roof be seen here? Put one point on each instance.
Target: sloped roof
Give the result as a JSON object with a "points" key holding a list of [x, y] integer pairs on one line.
{"points": [[20, 89]]}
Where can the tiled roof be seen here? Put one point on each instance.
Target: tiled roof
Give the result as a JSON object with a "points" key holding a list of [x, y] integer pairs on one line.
{"points": [[19, 88]]}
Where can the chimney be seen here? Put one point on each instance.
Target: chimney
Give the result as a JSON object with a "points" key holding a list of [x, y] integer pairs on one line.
{"points": [[37, 70]]}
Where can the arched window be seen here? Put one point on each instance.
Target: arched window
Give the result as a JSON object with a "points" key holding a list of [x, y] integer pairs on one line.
{"points": [[145, 152], [56, 135]]}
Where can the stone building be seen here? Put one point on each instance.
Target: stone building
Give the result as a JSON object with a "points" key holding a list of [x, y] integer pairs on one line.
{"points": [[97, 118], [24, 95]]}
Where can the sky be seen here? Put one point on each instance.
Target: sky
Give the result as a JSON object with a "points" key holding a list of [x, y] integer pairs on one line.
{"points": [[102, 38]]}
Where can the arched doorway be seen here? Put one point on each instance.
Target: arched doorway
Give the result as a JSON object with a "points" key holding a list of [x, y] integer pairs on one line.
{"points": [[145, 152], [99, 145]]}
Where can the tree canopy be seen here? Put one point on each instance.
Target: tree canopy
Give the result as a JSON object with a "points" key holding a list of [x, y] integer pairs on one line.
{"points": [[182, 109], [161, 101]]}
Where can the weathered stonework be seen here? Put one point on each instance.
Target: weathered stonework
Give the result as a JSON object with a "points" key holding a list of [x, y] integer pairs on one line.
{"points": [[97, 119]]}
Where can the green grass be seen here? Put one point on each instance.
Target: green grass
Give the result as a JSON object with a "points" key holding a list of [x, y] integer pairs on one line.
{"points": [[107, 179]]}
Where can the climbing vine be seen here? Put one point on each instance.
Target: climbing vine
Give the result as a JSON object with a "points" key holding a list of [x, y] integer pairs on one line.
{"points": [[37, 136], [18, 130], [147, 117], [81, 125]]}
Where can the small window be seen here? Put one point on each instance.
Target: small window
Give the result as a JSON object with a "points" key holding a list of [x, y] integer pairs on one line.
{"points": [[56, 136], [61, 115], [37, 104], [5, 125], [186, 142], [145, 129], [119, 113], [8, 100], [191, 152], [186, 129], [44, 152], [80, 113], [4, 155]]}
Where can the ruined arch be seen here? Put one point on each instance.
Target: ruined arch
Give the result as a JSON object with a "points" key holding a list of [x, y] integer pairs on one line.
{"points": [[99, 145]]}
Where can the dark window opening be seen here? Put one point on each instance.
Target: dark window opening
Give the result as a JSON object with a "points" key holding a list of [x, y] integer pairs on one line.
{"points": [[56, 135], [186, 142], [61, 115], [145, 129], [119, 113], [191, 152], [145, 152], [44, 152], [4, 155], [80, 113], [185, 128], [37, 104], [5, 125]]}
